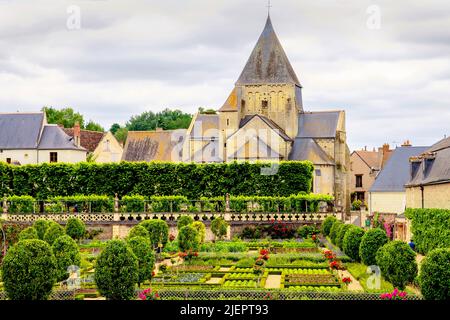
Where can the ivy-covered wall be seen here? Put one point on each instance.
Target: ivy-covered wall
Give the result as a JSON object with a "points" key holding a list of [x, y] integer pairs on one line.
{"points": [[430, 228], [155, 178]]}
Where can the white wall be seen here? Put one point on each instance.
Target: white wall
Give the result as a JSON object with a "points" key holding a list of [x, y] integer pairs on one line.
{"points": [[23, 156], [387, 202], [42, 156]]}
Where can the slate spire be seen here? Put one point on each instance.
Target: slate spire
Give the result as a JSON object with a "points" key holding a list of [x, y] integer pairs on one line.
{"points": [[268, 62]]}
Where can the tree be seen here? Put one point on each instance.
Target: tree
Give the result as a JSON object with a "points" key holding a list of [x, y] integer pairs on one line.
{"points": [[138, 231], [434, 276], [142, 248], [184, 221], [327, 224], [397, 263], [219, 227], [67, 117], [121, 135], [28, 233], [114, 128], [91, 125], [67, 254], [41, 226], [351, 242], [201, 229], [334, 230], [29, 270], [53, 232], [116, 271], [166, 119], [340, 236], [75, 228], [371, 241], [158, 231], [188, 239]]}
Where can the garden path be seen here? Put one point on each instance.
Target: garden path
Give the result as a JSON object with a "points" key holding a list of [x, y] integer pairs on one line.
{"points": [[352, 286], [273, 281]]}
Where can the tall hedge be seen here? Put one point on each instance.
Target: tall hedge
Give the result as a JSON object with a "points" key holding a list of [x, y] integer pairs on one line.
{"points": [[371, 241], [335, 230], [430, 228], [156, 178], [341, 233], [434, 276]]}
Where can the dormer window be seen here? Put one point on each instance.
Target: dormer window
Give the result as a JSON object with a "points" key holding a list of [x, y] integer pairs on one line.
{"points": [[428, 163], [415, 165]]}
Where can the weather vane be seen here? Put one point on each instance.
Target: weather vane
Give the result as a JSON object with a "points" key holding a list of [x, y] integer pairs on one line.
{"points": [[268, 7]]}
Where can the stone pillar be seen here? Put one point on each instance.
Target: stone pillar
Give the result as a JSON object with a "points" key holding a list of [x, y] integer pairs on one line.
{"points": [[5, 204], [116, 210]]}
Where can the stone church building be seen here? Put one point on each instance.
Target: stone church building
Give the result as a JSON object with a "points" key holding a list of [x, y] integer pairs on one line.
{"points": [[264, 119]]}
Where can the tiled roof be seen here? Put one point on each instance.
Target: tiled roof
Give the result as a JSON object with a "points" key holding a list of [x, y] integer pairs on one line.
{"points": [[371, 158], [88, 139], [20, 130], [308, 149]]}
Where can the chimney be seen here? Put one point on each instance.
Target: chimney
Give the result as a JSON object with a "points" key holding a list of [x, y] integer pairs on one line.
{"points": [[77, 134], [385, 148], [406, 144]]}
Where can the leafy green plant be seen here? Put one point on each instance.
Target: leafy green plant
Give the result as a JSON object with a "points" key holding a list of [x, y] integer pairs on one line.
{"points": [[67, 254], [167, 203], [138, 231], [434, 276], [158, 231], [351, 242], [201, 230], [28, 233], [54, 231], [41, 226], [307, 231], [134, 203], [29, 270], [21, 204], [188, 239], [75, 228], [327, 224], [183, 221], [371, 241], [341, 233], [335, 230], [142, 249], [219, 227]]}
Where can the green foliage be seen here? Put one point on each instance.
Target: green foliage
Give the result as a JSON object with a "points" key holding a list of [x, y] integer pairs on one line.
{"points": [[143, 251], [41, 226], [371, 241], [184, 221], [121, 135], [91, 203], [68, 117], [430, 228], [356, 205], [351, 242], [28, 233], [167, 203], [327, 224], [158, 231], [138, 231], [340, 236], [397, 263], [188, 239], [5, 178], [307, 231], [148, 179], [201, 229], [67, 254], [117, 271], [53, 232], [92, 126], [75, 228], [166, 119], [134, 203], [434, 276], [335, 230], [21, 204], [114, 128], [29, 270], [219, 227]]}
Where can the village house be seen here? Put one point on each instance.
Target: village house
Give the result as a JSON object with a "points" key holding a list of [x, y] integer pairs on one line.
{"points": [[262, 119], [102, 147], [27, 138]]}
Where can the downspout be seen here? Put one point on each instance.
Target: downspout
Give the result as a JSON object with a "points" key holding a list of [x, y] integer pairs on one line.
{"points": [[422, 196]]}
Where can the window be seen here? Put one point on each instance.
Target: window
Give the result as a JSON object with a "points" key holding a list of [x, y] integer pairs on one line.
{"points": [[228, 122], [264, 104], [53, 156], [8, 160], [358, 180], [318, 172]]}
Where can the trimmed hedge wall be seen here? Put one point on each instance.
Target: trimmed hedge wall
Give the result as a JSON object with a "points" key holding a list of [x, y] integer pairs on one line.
{"points": [[430, 228], [155, 178]]}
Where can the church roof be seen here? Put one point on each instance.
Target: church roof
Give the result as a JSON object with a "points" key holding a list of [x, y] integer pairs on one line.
{"points": [[308, 149], [205, 126], [271, 124], [318, 124], [231, 103], [251, 151], [268, 62]]}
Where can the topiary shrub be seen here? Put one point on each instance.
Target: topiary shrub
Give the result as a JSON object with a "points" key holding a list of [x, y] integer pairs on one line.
{"points": [[188, 239], [41, 226], [371, 241], [327, 224], [138, 231], [158, 231], [142, 248], [28, 233], [201, 229], [184, 221], [397, 262], [307, 231], [29, 270], [67, 254], [341, 233], [116, 271], [352, 241], [434, 276], [75, 228], [219, 227], [334, 230], [53, 232]]}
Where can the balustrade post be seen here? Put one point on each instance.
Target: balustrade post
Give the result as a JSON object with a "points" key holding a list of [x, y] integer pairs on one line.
{"points": [[116, 208], [227, 207], [5, 204]]}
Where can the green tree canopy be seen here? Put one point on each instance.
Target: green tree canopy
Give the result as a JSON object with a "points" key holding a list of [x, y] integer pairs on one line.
{"points": [[67, 117], [166, 119]]}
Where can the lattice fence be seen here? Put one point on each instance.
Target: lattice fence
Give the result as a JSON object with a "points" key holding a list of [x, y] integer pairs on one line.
{"points": [[55, 295]]}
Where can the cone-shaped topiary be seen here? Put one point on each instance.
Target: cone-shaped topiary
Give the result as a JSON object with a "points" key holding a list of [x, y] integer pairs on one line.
{"points": [[335, 230], [201, 229]]}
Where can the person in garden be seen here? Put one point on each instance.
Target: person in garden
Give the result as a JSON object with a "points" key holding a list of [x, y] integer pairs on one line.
{"points": [[412, 245]]}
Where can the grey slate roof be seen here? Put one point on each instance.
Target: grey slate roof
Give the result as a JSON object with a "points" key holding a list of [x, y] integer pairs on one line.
{"points": [[396, 172], [308, 149], [438, 170], [54, 138], [268, 62], [267, 121], [20, 130], [318, 124]]}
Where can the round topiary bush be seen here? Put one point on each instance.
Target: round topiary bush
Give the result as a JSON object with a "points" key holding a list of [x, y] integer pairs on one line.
{"points": [[397, 262], [434, 276], [327, 224], [28, 233], [219, 227], [53, 232], [75, 228], [352, 241], [29, 270], [138, 231], [116, 271], [307, 231], [67, 254], [334, 230], [201, 229], [341, 233], [184, 221], [143, 251], [188, 239], [158, 231], [372, 240], [41, 226]]}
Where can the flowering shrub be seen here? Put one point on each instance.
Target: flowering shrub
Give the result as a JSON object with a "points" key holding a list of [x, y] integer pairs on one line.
{"points": [[395, 295], [329, 255], [149, 294], [188, 254], [335, 265], [264, 254], [346, 280], [280, 230]]}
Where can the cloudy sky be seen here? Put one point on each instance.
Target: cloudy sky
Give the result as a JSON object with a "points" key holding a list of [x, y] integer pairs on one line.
{"points": [[386, 63]]}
